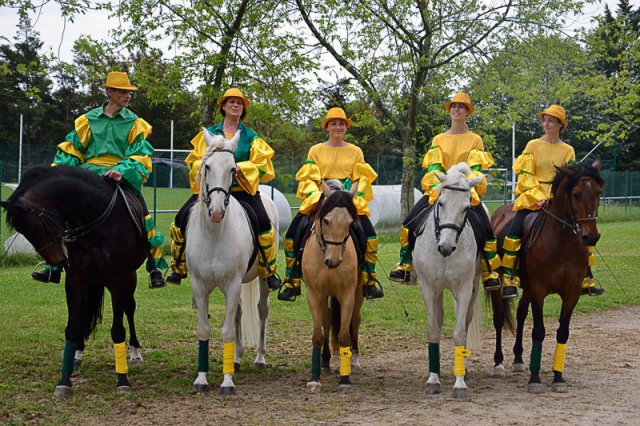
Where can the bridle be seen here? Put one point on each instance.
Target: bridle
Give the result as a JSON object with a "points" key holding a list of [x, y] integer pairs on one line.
{"points": [[324, 242], [206, 199], [436, 217], [574, 223]]}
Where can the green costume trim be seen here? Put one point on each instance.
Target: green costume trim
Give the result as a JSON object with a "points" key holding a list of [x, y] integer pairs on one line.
{"points": [[434, 358], [315, 363], [68, 355], [536, 356], [203, 356]]}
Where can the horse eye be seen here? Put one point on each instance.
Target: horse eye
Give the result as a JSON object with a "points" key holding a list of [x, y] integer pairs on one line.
{"points": [[325, 221]]}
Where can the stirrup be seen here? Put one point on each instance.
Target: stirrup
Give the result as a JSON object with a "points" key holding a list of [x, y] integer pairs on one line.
{"points": [[274, 282], [595, 289], [288, 294]]}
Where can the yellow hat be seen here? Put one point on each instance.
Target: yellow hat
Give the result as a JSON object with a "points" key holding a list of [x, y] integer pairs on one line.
{"points": [[460, 98], [555, 111], [119, 80], [234, 93], [336, 113]]}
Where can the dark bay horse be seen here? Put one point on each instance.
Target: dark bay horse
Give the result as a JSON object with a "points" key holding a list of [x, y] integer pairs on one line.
{"points": [[330, 272], [80, 221], [553, 260]]}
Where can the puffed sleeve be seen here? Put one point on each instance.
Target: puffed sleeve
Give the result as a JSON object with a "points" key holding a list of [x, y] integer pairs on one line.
{"points": [[528, 187], [309, 180], [194, 161], [71, 151], [258, 168], [478, 160], [365, 175], [433, 163], [136, 166]]}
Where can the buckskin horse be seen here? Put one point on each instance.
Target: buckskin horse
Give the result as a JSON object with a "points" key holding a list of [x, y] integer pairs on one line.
{"points": [[553, 260], [87, 224]]}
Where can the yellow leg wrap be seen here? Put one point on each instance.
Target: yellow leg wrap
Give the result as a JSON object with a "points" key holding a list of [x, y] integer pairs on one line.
{"points": [[592, 258], [364, 278], [371, 252], [156, 240], [290, 256], [120, 351], [459, 354], [558, 357], [404, 237], [345, 361], [588, 282], [509, 260], [267, 267], [403, 267], [227, 358], [293, 282], [178, 254], [512, 244]]}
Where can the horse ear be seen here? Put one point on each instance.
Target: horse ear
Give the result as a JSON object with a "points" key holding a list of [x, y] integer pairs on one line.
{"points": [[354, 189], [475, 181], [325, 189], [596, 165], [207, 136], [441, 177], [234, 140]]}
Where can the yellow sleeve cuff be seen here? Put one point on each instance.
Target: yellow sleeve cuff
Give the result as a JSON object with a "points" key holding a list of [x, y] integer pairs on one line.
{"points": [[310, 202], [429, 180], [364, 170], [526, 182], [362, 206], [433, 156], [194, 181], [139, 126], [525, 163], [309, 171], [248, 177], [260, 155], [480, 158], [529, 199]]}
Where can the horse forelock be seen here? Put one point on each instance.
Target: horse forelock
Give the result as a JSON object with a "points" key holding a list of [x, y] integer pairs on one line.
{"points": [[456, 177], [335, 200], [217, 142], [581, 170]]}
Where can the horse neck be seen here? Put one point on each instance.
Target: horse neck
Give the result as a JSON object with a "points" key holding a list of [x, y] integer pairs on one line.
{"points": [[73, 201], [233, 215]]}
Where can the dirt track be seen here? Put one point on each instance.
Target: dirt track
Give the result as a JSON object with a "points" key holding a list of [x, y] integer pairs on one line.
{"points": [[601, 371]]}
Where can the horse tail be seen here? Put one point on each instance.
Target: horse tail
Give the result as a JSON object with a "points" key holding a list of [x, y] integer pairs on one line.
{"points": [[250, 320], [474, 331], [94, 305], [502, 308], [334, 307]]}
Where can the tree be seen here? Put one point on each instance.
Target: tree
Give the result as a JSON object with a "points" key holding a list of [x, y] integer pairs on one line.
{"points": [[397, 50]]}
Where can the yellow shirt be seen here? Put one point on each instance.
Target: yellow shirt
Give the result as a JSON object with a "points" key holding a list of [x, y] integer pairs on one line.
{"points": [[456, 148], [335, 163], [536, 168]]}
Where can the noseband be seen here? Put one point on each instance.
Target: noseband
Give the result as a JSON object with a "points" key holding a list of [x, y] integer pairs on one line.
{"points": [[324, 242], [227, 192], [574, 222], [436, 217]]}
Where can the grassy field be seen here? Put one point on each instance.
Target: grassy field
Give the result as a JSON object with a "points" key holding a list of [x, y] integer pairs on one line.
{"points": [[34, 315]]}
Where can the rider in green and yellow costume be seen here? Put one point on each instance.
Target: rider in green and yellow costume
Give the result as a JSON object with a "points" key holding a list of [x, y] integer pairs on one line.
{"points": [[112, 141], [458, 144], [333, 159], [253, 161], [536, 169]]}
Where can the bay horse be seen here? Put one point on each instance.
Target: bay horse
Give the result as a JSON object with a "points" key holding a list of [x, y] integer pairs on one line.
{"points": [[446, 255], [79, 220], [221, 252], [553, 260], [330, 270]]}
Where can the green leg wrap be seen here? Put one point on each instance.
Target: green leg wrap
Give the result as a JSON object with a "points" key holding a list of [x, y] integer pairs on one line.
{"points": [[434, 358], [315, 364], [536, 356], [406, 256], [68, 355], [203, 356]]}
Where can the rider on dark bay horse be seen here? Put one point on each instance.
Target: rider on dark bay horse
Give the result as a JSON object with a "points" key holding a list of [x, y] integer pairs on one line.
{"points": [[536, 168], [458, 144], [112, 141]]}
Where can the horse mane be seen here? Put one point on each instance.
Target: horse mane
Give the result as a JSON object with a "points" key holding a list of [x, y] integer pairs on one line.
{"points": [[338, 199], [459, 171], [581, 170], [30, 178]]}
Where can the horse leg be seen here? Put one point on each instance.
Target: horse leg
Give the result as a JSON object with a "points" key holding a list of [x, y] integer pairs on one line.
{"points": [[319, 309], [77, 358], [135, 356], [521, 316], [118, 337], [263, 313], [356, 319], [534, 385], [344, 341], [562, 335], [232, 302], [463, 297], [498, 309], [435, 316], [239, 348], [200, 296]]}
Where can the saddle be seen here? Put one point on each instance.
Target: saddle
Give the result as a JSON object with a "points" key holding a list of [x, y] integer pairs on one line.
{"points": [[530, 230], [304, 232], [135, 209], [252, 218]]}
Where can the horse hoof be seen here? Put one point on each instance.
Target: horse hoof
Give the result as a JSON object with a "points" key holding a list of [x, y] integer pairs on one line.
{"points": [[498, 371], [433, 388], [518, 367], [460, 393], [123, 389], [344, 388], [200, 388], [136, 362], [63, 391], [260, 365], [314, 387], [534, 388], [77, 363], [227, 390], [560, 387], [236, 367]]}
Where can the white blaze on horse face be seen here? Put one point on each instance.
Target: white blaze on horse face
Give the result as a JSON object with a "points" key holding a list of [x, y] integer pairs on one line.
{"points": [[335, 227], [218, 169]]}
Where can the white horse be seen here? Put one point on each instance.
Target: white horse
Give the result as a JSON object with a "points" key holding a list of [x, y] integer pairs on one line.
{"points": [[219, 249], [446, 256]]}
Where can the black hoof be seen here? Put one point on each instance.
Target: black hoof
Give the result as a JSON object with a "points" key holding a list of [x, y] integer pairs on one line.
{"points": [[227, 390], [201, 388], [63, 391], [123, 389]]}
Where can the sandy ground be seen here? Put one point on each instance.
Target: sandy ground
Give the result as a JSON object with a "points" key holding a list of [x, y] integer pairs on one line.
{"points": [[601, 371]]}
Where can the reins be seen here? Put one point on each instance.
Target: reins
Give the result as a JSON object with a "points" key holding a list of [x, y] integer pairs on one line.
{"points": [[574, 225]]}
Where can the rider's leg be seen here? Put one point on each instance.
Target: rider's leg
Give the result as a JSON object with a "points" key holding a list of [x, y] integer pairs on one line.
{"points": [[178, 243], [293, 274], [402, 270], [155, 262], [511, 245], [590, 285], [51, 274], [368, 277], [490, 259]]}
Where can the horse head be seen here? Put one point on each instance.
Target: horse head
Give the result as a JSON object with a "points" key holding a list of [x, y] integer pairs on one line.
{"points": [[335, 215], [576, 192], [217, 173], [451, 208]]}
